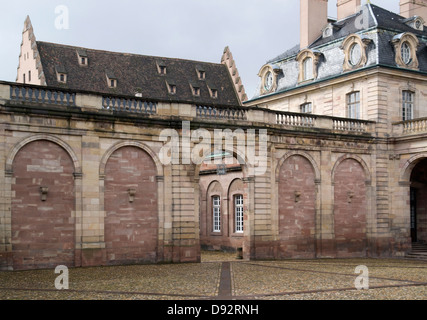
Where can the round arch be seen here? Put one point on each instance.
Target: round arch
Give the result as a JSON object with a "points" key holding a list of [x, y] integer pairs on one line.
{"points": [[405, 174], [241, 158], [142, 146], [14, 151], [302, 154], [357, 159]]}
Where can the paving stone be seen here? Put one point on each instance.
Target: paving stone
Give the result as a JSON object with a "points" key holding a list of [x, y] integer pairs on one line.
{"points": [[389, 279]]}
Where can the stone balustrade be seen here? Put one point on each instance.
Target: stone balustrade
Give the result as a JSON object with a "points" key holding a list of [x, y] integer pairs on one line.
{"points": [[19, 93], [409, 127]]}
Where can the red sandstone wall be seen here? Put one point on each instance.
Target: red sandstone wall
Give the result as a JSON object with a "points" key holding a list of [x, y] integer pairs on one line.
{"points": [[43, 232], [350, 209], [131, 228], [297, 215]]}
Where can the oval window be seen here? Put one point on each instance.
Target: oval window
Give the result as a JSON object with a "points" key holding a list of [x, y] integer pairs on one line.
{"points": [[355, 54], [406, 53]]}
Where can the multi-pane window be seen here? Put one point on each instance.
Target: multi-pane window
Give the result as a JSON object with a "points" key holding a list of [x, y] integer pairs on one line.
{"points": [[407, 105], [353, 105], [308, 68], [406, 53], [306, 108], [238, 207], [216, 205]]}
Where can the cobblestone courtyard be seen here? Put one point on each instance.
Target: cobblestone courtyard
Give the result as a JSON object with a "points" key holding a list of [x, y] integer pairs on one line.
{"points": [[222, 276]]}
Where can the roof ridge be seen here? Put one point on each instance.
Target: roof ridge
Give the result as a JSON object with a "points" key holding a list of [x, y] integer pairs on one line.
{"points": [[125, 53]]}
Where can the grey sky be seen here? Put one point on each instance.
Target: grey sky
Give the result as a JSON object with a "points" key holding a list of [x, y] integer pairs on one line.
{"points": [[255, 30]]}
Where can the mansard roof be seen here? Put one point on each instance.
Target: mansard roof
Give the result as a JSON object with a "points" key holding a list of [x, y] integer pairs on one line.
{"points": [[377, 18], [136, 74], [375, 24]]}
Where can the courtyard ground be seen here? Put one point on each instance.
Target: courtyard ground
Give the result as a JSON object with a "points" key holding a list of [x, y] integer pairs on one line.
{"points": [[221, 276]]}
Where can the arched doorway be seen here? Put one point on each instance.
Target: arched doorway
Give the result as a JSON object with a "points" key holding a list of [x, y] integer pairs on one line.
{"points": [[350, 209], [130, 199], [223, 204], [43, 207], [297, 208], [418, 201]]}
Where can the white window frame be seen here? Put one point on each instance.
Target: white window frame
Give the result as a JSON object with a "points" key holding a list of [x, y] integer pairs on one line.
{"points": [[238, 213], [306, 108], [308, 69], [353, 105], [216, 214], [408, 98]]}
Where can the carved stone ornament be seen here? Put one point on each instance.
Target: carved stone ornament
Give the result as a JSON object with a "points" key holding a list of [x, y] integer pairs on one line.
{"points": [[354, 47]]}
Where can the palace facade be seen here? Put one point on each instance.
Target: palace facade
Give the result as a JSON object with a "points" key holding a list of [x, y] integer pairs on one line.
{"points": [[327, 160]]}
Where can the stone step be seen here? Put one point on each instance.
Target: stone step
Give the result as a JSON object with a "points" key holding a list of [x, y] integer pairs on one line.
{"points": [[418, 251]]}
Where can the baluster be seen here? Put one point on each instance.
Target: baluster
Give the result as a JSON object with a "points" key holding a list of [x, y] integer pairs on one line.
{"points": [[42, 96], [24, 93], [36, 95], [62, 96]]}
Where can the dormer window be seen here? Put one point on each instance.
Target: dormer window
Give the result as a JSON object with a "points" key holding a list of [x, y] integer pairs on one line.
{"points": [[213, 91], [161, 67], [195, 88], [111, 79], [415, 22], [82, 57], [308, 61], [171, 86], [328, 31], [405, 49], [61, 74], [201, 73], [355, 51]]}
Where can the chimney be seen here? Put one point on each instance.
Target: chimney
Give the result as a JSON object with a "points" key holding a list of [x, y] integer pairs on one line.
{"points": [[347, 8], [410, 8], [314, 17]]}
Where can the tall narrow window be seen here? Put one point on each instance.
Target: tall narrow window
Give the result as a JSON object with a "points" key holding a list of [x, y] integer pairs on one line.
{"points": [[308, 68], [29, 76], [238, 207], [407, 105], [24, 77], [353, 105], [216, 205]]}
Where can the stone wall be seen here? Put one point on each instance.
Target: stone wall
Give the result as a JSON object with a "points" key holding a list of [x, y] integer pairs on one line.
{"points": [[319, 177]]}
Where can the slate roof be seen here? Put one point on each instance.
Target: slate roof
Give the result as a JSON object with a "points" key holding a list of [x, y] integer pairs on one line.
{"points": [[380, 27], [136, 73], [379, 18]]}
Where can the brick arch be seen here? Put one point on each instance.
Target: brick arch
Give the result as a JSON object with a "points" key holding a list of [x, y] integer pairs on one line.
{"points": [[350, 208], [107, 155], [12, 154], [130, 201], [362, 163], [296, 207], [43, 225], [306, 155]]}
